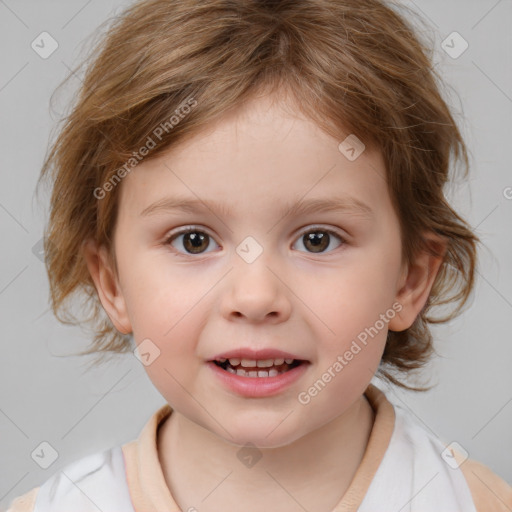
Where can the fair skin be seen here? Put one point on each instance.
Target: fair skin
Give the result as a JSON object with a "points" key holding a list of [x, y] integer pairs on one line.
{"points": [[312, 304]]}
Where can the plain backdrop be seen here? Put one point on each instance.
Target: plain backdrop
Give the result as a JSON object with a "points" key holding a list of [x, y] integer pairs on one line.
{"points": [[46, 396]]}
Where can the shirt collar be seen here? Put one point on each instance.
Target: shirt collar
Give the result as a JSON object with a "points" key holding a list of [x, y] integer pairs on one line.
{"points": [[149, 491]]}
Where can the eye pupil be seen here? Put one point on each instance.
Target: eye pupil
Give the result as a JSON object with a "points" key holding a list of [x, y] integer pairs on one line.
{"points": [[196, 239], [317, 239]]}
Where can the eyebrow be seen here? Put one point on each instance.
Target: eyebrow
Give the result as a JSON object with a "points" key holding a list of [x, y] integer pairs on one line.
{"points": [[346, 204]]}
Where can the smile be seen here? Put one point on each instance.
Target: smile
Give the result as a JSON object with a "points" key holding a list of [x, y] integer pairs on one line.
{"points": [[258, 378]]}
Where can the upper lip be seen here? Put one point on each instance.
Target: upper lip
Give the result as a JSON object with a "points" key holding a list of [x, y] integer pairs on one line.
{"points": [[252, 354]]}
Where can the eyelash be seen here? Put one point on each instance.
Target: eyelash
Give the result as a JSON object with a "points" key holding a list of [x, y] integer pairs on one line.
{"points": [[194, 229]]}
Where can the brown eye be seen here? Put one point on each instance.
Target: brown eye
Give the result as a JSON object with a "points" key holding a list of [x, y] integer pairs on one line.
{"points": [[317, 240], [193, 241]]}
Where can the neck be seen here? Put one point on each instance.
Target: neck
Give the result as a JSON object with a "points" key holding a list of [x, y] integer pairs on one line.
{"points": [[199, 470]]}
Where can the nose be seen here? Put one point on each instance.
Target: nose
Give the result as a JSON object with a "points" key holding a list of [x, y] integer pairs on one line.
{"points": [[256, 292]]}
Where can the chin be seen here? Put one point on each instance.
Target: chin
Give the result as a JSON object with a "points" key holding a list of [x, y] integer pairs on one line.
{"points": [[262, 437]]}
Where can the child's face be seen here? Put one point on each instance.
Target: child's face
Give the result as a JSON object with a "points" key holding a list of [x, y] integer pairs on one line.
{"points": [[310, 298]]}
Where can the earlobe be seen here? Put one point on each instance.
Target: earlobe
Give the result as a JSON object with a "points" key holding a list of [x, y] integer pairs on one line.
{"points": [[416, 283], [107, 285]]}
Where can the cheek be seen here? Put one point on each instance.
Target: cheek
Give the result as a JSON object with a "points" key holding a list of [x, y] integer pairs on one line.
{"points": [[352, 299], [159, 292], [352, 307]]}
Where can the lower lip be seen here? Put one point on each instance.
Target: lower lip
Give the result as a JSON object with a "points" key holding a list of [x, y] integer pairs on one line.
{"points": [[256, 387]]}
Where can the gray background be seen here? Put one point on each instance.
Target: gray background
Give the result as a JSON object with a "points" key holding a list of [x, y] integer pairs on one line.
{"points": [[47, 396]]}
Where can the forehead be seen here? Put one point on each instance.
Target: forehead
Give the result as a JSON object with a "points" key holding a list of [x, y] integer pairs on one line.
{"points": [[259, 156]]}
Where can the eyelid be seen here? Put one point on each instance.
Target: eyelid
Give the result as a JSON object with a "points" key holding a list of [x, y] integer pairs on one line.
{"points": [[303, 229], [184, 230], [312, 227]]}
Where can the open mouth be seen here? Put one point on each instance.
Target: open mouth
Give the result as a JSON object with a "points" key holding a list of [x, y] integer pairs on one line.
{"points": [[261, 368]]}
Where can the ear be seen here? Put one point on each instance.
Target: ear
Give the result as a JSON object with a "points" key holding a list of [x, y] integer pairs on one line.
{"points": [[416, 282], [107, 285]]}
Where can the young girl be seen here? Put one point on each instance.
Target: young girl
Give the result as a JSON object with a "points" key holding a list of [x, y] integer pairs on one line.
{"points": [[253, 194]]}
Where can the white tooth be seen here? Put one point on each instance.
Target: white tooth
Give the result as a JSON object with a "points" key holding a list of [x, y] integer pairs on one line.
{"points": [[230, 370], [222, 360], [248, 362], [234, 362], [260, 373], [288, 361], [277, 362], [265, 363]]}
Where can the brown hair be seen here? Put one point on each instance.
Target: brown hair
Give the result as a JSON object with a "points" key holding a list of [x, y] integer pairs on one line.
{"points": [[354, 66]]}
